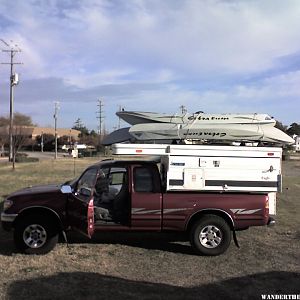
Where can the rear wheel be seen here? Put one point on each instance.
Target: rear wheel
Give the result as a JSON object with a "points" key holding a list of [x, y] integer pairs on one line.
{"points": [[211, 235], [35, 235]]}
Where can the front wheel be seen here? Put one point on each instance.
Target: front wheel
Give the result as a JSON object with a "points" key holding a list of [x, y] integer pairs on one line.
{"points": [[211, 235], [35, 235]]}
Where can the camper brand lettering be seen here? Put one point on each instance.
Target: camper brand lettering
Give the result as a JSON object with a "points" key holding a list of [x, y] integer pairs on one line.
{"points": [[177, 164]]}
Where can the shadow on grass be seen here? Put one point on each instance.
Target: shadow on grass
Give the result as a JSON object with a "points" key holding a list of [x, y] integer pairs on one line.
{"points": [[172, 241], [79, 285]]}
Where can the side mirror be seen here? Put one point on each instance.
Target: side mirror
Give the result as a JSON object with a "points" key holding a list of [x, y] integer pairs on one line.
{"points": [[66, 189], [85, 192]]}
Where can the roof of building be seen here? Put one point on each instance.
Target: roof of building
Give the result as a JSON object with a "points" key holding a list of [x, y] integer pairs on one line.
{"points": [[35, 131]]}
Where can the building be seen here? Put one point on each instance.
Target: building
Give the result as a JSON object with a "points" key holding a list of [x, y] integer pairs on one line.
{"points": [[38, 131], [297, 143]]}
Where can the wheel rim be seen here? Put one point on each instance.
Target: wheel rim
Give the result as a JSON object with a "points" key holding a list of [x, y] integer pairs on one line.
{"points": [[210, 236], [34, 236]]}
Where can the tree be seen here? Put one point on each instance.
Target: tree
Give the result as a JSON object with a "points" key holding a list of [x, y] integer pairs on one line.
{"points": [[90, 140], [66, 140], [20, 137], [280, 126], [294, 129], [20, 134], [19, 119], [48, 140], [78, 125], [86, 137]]}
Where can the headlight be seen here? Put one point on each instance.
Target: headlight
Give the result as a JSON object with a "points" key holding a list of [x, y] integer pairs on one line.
{"points": [[7, 204]]}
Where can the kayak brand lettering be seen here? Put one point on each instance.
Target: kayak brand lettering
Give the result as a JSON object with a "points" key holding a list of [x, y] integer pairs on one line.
{"points": [[210, 134]]}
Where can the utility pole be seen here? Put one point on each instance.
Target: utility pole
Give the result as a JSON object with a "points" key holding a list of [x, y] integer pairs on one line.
{"points": [[183, 109], [100, 117], [56, 108], [119, 119], [42, 142], [14, 80]]}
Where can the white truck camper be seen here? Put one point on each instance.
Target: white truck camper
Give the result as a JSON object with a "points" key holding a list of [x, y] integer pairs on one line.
{"points": [[215, 168]]}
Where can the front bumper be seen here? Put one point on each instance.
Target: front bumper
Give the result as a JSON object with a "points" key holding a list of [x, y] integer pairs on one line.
{"points": [[8, 217], [7, 220]]}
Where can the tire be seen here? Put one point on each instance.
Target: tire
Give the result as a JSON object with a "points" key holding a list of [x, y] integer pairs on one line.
{"points": [[35, 235], [210, 236]]}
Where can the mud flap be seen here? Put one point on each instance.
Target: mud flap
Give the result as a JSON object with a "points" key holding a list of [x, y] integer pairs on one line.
{"points": [[235, 238], [91, 221], [64, 235]]}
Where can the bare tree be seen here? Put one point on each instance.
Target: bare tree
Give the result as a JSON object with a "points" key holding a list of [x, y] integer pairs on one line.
{"points": [[1, 146], [21, 136], [19, 119]]}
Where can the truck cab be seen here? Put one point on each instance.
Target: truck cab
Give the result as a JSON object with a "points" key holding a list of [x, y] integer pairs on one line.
{"points": [[125, 195]]}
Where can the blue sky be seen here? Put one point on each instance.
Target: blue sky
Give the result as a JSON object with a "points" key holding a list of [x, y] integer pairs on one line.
{"points": [[217, 56]]}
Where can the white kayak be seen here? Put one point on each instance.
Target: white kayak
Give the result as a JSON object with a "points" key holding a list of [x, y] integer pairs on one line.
{"points": [[198, 131], [135, 117]]}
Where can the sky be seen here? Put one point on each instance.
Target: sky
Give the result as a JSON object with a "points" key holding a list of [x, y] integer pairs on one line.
{"points": [[217, 56]]}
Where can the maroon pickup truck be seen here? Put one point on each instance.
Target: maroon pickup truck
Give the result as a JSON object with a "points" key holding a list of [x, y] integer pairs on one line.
{"points": [[129, 196]]}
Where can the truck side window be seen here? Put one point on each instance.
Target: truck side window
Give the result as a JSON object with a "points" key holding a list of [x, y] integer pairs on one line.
{"points": [[143, 181], [116, 180], [86, 183]]}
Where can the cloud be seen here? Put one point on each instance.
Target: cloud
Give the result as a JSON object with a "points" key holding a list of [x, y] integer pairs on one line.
{"points": [[191, 36], [276, 95]]}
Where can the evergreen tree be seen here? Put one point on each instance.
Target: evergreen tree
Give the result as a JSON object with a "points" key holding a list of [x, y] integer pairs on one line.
{"points": [[294, 129], [78, 125]]}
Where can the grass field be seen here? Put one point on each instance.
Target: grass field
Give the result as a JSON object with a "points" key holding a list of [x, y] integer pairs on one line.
{"points": [[152, 266]]}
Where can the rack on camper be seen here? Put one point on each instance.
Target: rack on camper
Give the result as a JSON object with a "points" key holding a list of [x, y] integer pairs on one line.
{"points": [[213, 168]]}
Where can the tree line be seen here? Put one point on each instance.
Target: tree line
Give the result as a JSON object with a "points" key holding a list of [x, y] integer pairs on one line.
{"points": [[293, 129], [22, 139]]}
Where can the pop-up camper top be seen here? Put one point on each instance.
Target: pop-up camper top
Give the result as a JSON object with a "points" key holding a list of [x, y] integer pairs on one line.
{"points": [[213, 168]]}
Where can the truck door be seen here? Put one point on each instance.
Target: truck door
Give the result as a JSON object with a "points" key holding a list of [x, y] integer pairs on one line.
{"points": [[146, 198], [80, 205]]}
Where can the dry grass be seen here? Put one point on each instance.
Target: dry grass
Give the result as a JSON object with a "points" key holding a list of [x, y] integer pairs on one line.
{"points": [[153, 266], [44, 172]]}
